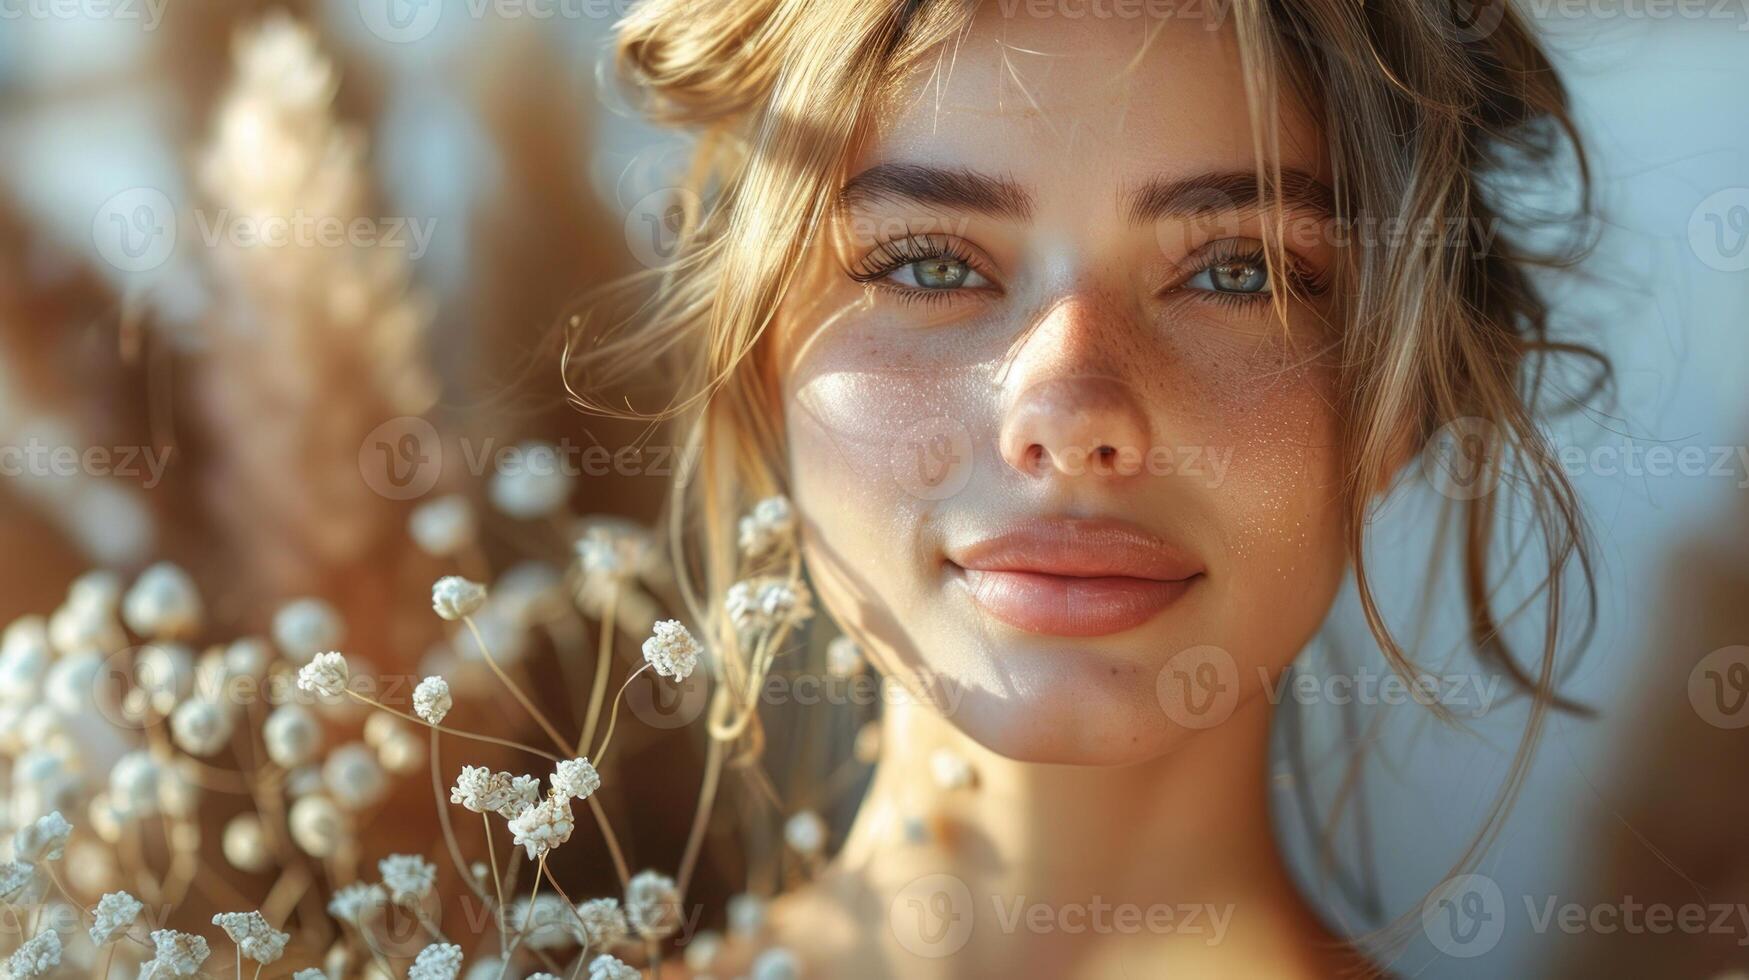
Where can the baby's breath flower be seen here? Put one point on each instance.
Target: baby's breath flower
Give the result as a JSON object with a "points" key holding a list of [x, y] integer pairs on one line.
{"points": [[746, 915], [522, 793], [200, 727], [255, 939], [442, 527], [163, 604], [37, 957], [303, 628], [43, 839], [548, 922], [408, 877], [478, 790], [544, 826], [21, 883], [843, 657], [438, 961], [766, 603], [805, 832], [771, 524], [309, 973], [576, 778], [536, 483], [950, 769], [25, 658], [79, 628], [605, 967], [701, 953], [316, 825], [604, 922], [431, 700], [454, 597], [612, 549], [175, 954], [352, 903], [652, 904], [325, 675], [133, 783], [293, 736], [245, 843], [775, 963], [354, 777], [115, 914], [671, 649]]}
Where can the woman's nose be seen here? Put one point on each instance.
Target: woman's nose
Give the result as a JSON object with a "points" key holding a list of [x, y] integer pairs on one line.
{"points": [[1074, 426]]}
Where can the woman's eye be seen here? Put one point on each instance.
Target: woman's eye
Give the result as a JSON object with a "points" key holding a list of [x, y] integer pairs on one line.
{"points": [[1241, 276], [937, 273]]}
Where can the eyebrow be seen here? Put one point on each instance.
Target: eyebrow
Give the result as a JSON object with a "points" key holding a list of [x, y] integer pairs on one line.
{"points": [[1155, 199]]}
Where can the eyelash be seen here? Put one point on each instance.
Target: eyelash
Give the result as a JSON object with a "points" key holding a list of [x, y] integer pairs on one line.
{"points": [[890, 256]]}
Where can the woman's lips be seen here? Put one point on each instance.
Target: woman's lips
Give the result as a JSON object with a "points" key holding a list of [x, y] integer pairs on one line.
{"points": [[1074, 577]]}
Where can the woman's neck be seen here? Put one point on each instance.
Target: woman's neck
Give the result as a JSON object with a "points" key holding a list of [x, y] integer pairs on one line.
{"points": [[1172, 854]]}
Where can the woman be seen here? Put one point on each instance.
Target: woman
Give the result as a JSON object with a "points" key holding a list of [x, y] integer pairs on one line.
{"points": [[1083, 339]]}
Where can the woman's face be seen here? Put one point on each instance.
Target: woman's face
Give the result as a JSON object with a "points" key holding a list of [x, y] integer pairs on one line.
{"points": [[1063, 469]]}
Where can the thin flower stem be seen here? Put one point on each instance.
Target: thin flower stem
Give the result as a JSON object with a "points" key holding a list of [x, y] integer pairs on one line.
{"points": [[258, 967], [449, 842], [522, 932], [613, 716], [547, 726], [603, 661], [619, 858], [453, 731], [497, 885], [582, 926], [707, 795], [239, 961]]}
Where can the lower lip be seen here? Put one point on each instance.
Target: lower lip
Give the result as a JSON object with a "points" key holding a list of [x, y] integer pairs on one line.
{"points": [[1062, 605]]}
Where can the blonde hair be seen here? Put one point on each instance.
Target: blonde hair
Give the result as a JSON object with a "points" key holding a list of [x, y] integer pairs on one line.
{"points": [[1417, 115]]}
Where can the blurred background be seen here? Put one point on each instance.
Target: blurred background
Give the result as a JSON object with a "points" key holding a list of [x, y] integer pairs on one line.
{"points": [[269, 418]]}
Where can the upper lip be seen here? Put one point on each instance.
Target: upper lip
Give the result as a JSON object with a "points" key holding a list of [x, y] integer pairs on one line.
{"points": [[1077, 548]]}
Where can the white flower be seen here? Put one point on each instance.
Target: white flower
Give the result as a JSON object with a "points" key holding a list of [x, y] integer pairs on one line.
{"points": [[316, 825], [163, 604], [165, 672], [25, 656], [325, 675], [605, 967], [438, 961], [746, 915], [612, 549], [548, 922], [72, 682], [671, 649], [352, 903], [533, 484], [950, 769], [454, 597], [133, 783], [293, 736], [309, 973], [771, 524], [303, 628], [21, 883], [530, 592], [701, 952], [43, 839], [255, 939], [408, 877], [652, 904], [200, 727], [245, 843], [604, 922], [37, 957], [431, 700], [805, 832], [176, 954], [523, 793], [843, 657], [576, 778], [80, 628], [115, 914], [544, 826], [442, 527], [354, 777], [767, 603], [775, 963], [478, 790]]}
